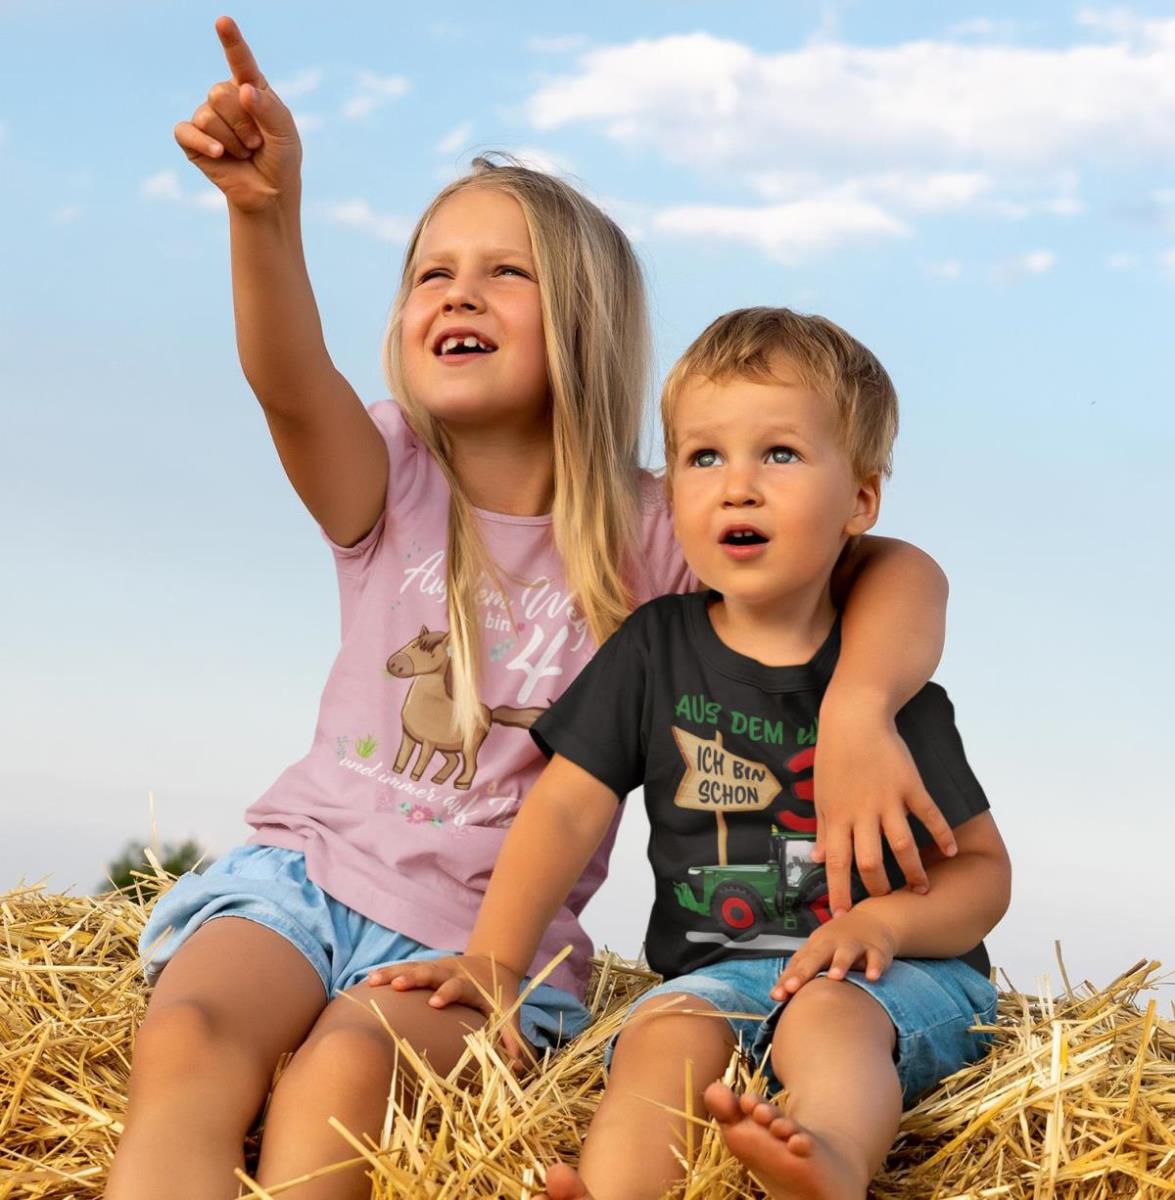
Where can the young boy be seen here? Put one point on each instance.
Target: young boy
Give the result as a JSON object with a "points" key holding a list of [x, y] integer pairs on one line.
{"points": [[778, 429]]}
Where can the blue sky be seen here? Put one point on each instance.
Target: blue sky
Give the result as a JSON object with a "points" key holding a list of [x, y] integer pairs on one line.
{"points": [[986, 199]]}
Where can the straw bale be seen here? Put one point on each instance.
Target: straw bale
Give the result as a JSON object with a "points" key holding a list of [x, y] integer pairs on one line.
{"points": [[1075, 1102]]}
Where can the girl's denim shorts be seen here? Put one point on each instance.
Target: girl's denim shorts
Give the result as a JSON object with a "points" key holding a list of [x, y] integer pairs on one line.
{"points": [[268, 885], [932, 1002]]}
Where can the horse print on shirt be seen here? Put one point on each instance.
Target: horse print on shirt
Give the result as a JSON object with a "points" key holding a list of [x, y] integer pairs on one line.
{"points": [[428, 715]]}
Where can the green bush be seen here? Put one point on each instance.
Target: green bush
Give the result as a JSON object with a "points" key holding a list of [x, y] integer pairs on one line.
{"points": [[175, 858]]}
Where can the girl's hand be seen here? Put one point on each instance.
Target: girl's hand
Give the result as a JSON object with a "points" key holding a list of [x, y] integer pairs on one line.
{"points": [[854, 940], [243, 137], [473, 980], [866, 784]]}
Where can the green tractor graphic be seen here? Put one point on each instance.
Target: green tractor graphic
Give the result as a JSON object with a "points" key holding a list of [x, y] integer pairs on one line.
{"points": [[744, 897]]}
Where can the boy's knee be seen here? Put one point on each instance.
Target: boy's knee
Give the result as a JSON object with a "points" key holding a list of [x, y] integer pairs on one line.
{"points": [[831, 1004], [672, 1023]]}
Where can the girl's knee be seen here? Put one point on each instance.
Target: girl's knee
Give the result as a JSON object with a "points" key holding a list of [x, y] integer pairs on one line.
{"points": [[349, 1055]]}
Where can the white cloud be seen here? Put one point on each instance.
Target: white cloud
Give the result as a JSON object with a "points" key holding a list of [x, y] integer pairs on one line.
{"points": [[983, 27], [372, 92], [302, 84], [539, 159], [785, 232], [562, 44], [947, 268], [164, 185], [1121, 261], [66, 214], [308, 122], [358, 214], [715, 103], [456, 139], [1167, 261], [1035, 262]]}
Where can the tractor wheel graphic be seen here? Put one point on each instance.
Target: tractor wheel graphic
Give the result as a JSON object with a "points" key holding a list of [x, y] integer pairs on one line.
{"points": [[736, 906]]}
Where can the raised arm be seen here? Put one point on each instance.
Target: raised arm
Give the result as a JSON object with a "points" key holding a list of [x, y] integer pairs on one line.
{"points": [[893, 600], [243, 138]]}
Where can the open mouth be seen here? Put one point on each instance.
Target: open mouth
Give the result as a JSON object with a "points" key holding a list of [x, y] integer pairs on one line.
{"points": [[743, 535], [452, 345]]}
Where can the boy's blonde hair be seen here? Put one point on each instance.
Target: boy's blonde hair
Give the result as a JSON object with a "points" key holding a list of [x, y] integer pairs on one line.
{"points": [[597, 347], [758, 344]]}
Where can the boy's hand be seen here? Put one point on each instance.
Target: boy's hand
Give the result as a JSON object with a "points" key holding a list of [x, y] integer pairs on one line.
{"points": [[866, 785], [243, 137], [473, 980], [857, 939]]}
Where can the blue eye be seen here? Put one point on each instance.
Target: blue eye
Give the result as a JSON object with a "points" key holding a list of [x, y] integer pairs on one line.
{"points": [[514, 271], [782, 455], [704, 458], [430, 275]]}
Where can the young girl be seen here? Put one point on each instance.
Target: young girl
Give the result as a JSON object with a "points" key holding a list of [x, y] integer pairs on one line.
{"points": [[490, 528]]}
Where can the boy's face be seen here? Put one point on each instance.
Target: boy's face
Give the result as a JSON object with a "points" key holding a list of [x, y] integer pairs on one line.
{"points": [[764, 459]]}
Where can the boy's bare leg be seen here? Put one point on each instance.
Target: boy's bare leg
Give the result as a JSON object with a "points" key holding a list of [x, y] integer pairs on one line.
{"points": [[833, 1052], [628, 1154], [235, 997], [345, 1070]]}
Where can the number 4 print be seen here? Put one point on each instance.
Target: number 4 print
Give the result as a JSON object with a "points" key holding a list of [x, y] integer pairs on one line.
{"points": [[521, 662]]}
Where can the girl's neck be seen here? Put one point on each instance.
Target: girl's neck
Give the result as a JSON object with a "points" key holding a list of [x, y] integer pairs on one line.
{"points": [[505, 470]]}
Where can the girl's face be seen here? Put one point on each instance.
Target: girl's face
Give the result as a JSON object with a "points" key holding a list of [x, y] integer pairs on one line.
{"points": [[471, 342]]}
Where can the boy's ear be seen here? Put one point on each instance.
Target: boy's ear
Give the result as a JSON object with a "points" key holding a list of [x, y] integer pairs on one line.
{"points": [[866, 506]]}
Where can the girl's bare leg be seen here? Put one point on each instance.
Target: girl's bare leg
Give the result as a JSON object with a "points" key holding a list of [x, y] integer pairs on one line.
{"points": [[628, 1154], [235, 997], [833, 1052], [345, 1069]]}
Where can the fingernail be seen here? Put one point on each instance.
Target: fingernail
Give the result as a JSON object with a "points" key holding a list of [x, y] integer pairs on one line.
{"points": [[253, 141], [921, 889], [215, 149]]}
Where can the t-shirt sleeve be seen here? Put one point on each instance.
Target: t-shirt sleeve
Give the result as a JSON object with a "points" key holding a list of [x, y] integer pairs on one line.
{"points": [[927, 724], [598, 723], [663, 569], [406, 465]]}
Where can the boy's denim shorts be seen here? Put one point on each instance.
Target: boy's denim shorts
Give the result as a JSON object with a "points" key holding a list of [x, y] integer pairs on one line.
{"points": [[268, 885], [932, 1002]]}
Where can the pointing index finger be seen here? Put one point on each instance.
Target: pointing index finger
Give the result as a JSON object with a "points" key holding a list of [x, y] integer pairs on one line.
{"points": [[240, 58]]}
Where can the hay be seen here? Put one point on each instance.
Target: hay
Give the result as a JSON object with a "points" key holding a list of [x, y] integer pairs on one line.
{"points": [[1077, 1099]]}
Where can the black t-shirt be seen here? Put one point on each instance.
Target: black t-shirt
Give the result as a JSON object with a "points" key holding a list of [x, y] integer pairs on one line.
{"points": [[724, 747]]}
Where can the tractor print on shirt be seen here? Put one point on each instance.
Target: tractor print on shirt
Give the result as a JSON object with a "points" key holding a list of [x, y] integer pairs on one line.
{"points": [[788, 891], [744, 897], [428, 715]]}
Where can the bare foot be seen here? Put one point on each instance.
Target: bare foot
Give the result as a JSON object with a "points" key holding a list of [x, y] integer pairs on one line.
{"points": [[563, 1183], [791, 1163]]}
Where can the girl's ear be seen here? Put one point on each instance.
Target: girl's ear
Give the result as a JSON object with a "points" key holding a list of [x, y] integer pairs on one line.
{"points": [[866, 506]]}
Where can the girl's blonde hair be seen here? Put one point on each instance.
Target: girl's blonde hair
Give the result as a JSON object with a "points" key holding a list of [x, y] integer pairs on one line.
{"points": [[597, 346]]}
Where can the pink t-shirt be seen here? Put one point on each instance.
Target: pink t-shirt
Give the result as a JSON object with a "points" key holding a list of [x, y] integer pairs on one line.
{"points": [[394, 820]]}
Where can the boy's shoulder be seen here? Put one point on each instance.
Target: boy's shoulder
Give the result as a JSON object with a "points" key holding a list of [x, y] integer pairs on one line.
{"points": [[661, 616]]}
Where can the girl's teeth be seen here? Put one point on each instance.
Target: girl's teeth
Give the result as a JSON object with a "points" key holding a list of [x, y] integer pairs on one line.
{"points": [[471, 343], [450, 344]]}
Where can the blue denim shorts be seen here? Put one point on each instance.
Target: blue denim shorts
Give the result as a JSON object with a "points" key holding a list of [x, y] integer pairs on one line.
{"points": [[932, 1002], [268, 885]]}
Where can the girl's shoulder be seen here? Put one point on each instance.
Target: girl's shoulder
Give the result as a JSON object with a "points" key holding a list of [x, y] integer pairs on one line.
{"points": [[662, 569]]}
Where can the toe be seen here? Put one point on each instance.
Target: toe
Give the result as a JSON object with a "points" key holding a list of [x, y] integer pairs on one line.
{"points": [[764, 1114], [722, 1103], [783, 1128], [800, 1144]]}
